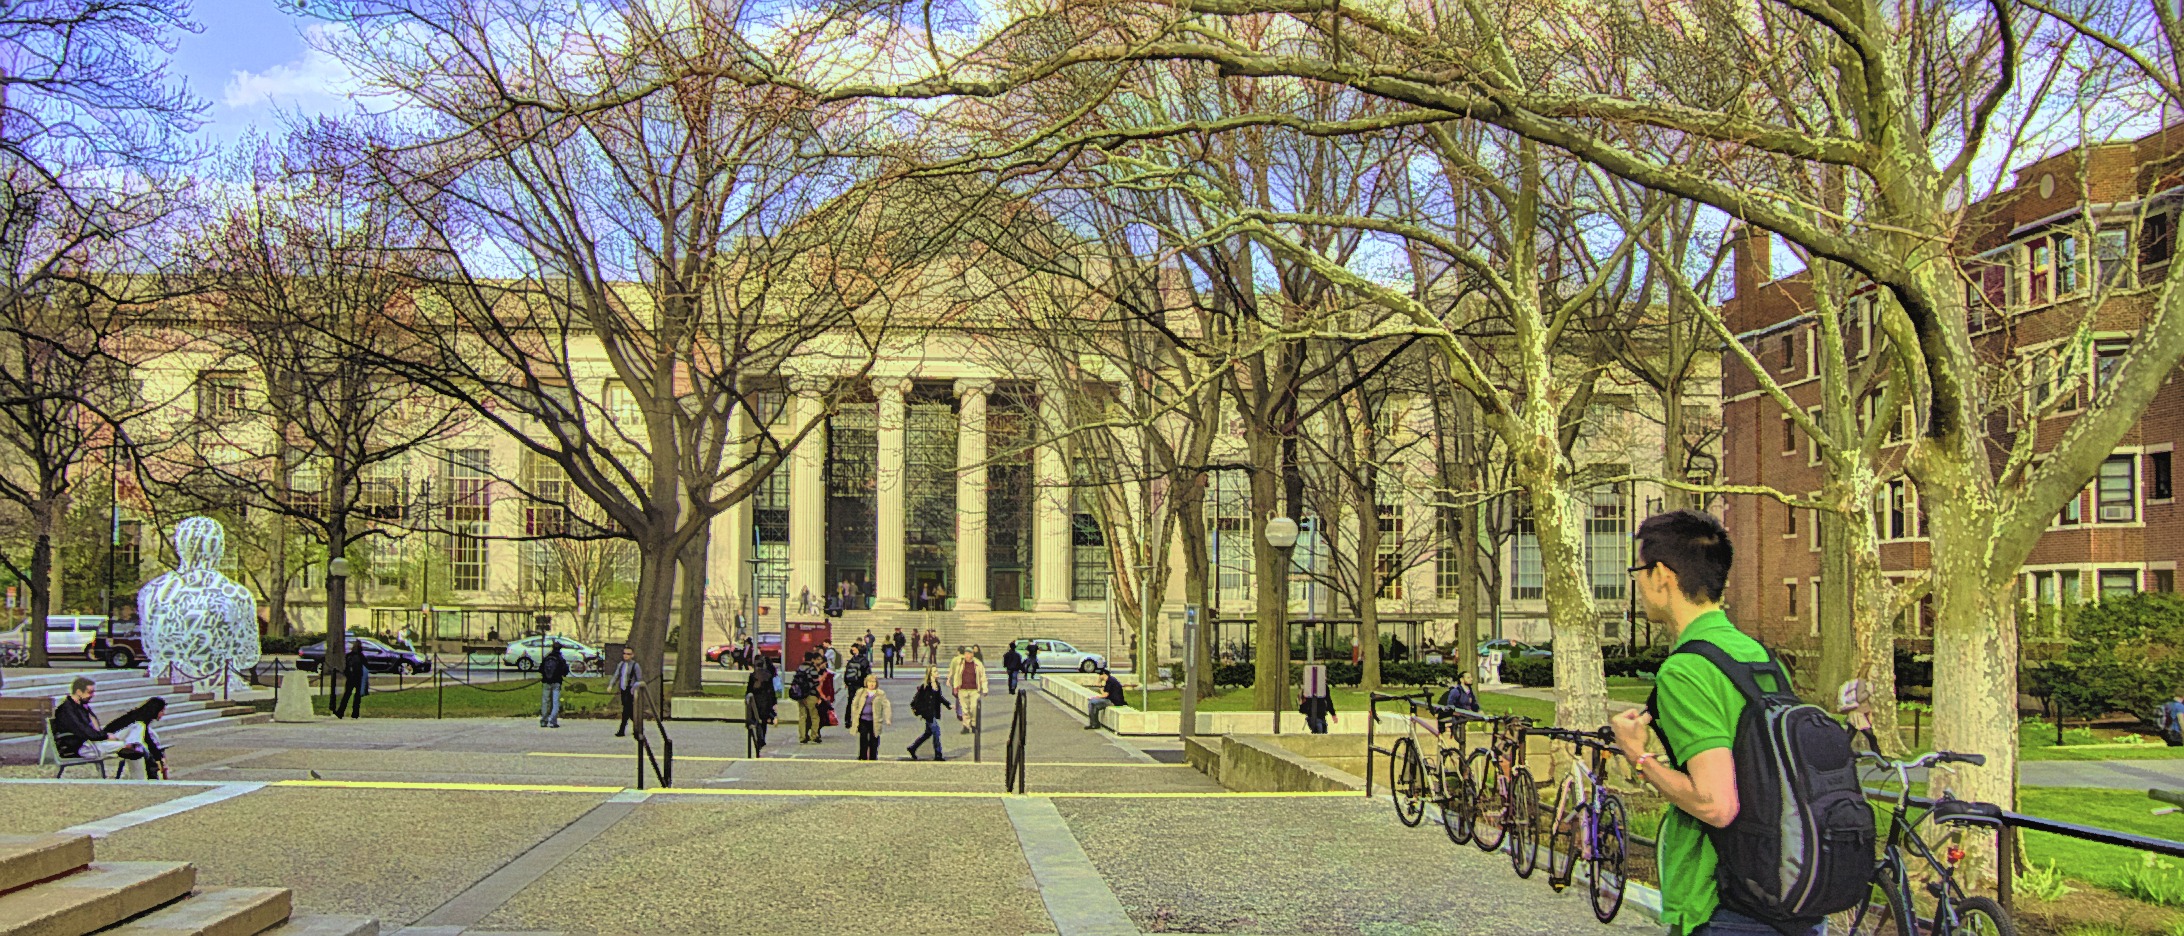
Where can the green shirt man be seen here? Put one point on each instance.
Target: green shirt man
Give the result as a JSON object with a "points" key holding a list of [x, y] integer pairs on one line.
{"points": [[1684, 561]]}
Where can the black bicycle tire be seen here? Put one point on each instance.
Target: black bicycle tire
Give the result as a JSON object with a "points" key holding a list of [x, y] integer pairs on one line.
{"points": [[1611, 848], [1479, 768], [1992, 910], [1887, 899], [1562, 841], [1458, 810], [1409, 798], [1524, 822]]}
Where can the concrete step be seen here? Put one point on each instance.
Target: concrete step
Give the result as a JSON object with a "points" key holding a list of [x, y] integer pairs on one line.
{"points": [[28, 859], [214, 911], [99, 896], [326, 926], [109, 685]]}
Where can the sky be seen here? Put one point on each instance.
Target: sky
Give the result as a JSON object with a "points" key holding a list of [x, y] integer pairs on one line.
{"points": [[251, 65]]}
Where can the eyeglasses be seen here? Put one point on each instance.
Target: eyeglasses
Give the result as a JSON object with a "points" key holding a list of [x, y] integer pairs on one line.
{"points": [[1634, 570]]}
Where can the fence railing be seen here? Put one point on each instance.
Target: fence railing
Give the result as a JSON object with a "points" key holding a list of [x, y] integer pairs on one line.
{"points": [[1019, 728]]}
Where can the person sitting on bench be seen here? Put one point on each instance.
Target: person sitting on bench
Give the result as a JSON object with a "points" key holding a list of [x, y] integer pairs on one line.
{"points": [[76, 731]]}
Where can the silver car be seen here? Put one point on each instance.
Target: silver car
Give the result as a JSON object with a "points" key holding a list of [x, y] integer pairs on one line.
{"points": [[1059, 655], [526, 654]]}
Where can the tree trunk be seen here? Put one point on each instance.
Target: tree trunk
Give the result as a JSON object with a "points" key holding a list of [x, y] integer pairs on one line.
{"points": [[1368, 577], [1833, 605], [1581, 689], [41, 579], [1975, 644], [655, 600], [1467, 597], [1675, 464], [1873, 623], [1196, 578], [690, 655], [1270, 686]]}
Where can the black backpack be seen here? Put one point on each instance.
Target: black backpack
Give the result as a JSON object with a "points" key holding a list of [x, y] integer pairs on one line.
{"points": [[803, 685], [1802, 844]]}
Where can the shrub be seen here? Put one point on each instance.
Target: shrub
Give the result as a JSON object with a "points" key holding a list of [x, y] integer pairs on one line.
{"points": [[1528, 671], [2123, 656], [277, 643], [1912, 671], [1646, 660]]}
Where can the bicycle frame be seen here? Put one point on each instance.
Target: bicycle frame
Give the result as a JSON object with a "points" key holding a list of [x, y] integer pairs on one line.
{"points": [[1903, 838]]}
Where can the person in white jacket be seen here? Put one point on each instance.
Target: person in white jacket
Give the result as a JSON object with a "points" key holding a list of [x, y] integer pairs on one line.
{"points": [[871, 711], [967, 676]]}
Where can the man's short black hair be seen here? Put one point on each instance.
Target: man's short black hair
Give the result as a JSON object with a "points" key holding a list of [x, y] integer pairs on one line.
{"points": [[1695, 544]]}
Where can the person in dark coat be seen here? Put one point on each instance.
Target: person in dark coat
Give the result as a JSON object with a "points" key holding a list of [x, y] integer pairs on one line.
{"points": [[356, 681], [76, 729], [759, 700], [926, 704], [1031, 661], [1316, 701], [1012, 661], [1110, 696], [551, 671]]}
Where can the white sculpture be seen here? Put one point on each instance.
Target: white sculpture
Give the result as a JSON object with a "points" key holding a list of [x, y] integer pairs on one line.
{"points": [[195, 618]]}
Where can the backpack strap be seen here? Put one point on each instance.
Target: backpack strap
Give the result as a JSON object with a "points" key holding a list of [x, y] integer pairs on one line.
{"points": [[1745, 676]]}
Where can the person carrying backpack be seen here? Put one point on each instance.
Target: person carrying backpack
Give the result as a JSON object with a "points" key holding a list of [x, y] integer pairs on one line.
{"points": [[1748, 848], [804, 689], [1460, 694], [927, 704], [551, 671]]}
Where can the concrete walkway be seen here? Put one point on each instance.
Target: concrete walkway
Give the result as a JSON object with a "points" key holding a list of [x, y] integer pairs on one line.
{"points": [[498, 826]]}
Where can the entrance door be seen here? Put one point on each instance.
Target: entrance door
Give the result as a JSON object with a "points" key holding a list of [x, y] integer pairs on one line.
{"points": [[1006, 587]]}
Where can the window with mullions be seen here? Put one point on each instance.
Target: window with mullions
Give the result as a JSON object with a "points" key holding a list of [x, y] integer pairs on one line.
{"points": [[852, 485], [770, 519], [1448, 566], [2115, 490], [1088, 552], [1527, 578], [540, 570], [1229, 539], [469, 510], [1607, 543], [1388, 564], [1011, 492], [929, 484]]}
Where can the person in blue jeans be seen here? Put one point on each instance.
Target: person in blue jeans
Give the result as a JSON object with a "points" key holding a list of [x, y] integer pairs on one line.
{"points": [[926, 704], [551, 671], [2172, 721]]}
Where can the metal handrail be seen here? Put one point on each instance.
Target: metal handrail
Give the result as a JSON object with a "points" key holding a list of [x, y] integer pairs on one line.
{"points": [[1019, 730]]}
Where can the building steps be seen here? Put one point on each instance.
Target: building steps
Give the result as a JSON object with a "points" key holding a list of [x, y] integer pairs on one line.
{"points": [[122, 690], [51, 886]]}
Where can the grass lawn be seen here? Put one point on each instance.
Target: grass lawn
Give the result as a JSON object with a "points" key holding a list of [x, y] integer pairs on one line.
{"points": [[2104, 865], [579, 698]]}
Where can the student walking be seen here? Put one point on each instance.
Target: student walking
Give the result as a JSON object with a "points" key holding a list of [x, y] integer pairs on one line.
{"points": [[869, 708], [928, 702], [357, 678], [551, 671], [1013, 662], [887, 659], [1317, 701], [627, 675], [967, 675], [804, 690], [759, 700], [1698, 712]]}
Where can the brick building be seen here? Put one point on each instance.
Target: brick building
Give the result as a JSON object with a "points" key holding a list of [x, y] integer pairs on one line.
{"points": [[2063, 268]]}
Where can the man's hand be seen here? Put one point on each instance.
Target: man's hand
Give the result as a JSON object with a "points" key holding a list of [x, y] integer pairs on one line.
{"points": [[1630, 731]]}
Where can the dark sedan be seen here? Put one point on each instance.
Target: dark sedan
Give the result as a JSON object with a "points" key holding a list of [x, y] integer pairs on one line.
{"points": [[378, 658]]}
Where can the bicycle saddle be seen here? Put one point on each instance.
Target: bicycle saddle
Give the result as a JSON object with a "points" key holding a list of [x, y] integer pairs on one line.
{"points": [[1966, 811]]}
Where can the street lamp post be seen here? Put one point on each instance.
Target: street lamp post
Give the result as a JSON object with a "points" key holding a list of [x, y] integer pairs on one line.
{"points": [[1281, 533], [337, 613]]}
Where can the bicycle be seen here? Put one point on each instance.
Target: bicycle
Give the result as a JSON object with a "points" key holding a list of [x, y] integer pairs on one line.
{"points": [[1503, 789], [1408, 770], [1589, 822], [1890, 912]]}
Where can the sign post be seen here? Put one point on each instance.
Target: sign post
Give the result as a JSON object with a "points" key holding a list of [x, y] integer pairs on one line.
{"points": [[1189, 726]]}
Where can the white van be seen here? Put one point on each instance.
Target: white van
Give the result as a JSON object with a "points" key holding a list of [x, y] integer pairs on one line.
{"points": [[67, 635]]}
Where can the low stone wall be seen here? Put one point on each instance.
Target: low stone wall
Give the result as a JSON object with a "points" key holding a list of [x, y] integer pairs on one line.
{"points": [[1343, 752], [1204, 753], [1127, 720], [1263, 764], [722, 708]]}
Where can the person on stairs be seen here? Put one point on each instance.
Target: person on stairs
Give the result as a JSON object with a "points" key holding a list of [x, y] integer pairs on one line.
{"points": [[928, 702]]}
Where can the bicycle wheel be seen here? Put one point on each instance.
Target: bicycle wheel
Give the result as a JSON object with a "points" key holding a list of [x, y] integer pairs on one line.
{"points": [[1458, 811], [1564, 825], [1881, 915], [1487, 815], [1406, 782], [1611, 841], [1523, 822], [1982, 916]]}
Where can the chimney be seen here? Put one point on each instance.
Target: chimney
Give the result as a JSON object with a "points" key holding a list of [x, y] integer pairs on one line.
{"points": [[1752, 259]]}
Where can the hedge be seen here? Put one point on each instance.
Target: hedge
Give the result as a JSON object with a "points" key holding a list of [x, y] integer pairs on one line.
{"points": [[1346, 673]]}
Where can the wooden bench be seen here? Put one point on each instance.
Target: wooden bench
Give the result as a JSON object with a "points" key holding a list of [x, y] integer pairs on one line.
{"points": [[25, 715]]}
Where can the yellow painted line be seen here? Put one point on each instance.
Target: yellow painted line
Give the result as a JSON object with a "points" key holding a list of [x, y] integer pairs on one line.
{"points": [[477, 787], [828, 760], [975, 794]]}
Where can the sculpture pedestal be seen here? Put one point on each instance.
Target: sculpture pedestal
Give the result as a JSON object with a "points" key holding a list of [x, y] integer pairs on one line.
{"points": [[295, 701]]}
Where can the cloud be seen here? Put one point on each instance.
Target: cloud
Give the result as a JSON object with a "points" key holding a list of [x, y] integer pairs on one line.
{"points": [[314, 74]]}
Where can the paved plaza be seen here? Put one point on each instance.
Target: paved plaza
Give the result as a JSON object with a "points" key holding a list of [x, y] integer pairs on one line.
{"points": [[498, 826]]}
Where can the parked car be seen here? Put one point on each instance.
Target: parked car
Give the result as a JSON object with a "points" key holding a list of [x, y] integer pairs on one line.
{"points": [[526, 654], [67, 635], [768, 645], [120, 644], [1511, 649], [378, 658], [1060, 655]]}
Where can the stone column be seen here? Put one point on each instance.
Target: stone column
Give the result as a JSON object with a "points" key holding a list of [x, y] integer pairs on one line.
{"points": [[971, 513], [888, 568], [1052, 556], [807, 499]]}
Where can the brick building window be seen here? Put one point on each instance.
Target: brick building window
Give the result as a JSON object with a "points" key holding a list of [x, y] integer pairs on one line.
{"points": [[2112, 257], [1789, 521], [2067, 278], [1388, 565], [2115, 490], [1790, 607], [2073, 511], [2156, 240], [2161, 580], [2040, 272], [1789, 435], [2107, 356], [2157, 477], [1789, 352], [220, 395], [2116, 582], [1899, 516]]}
